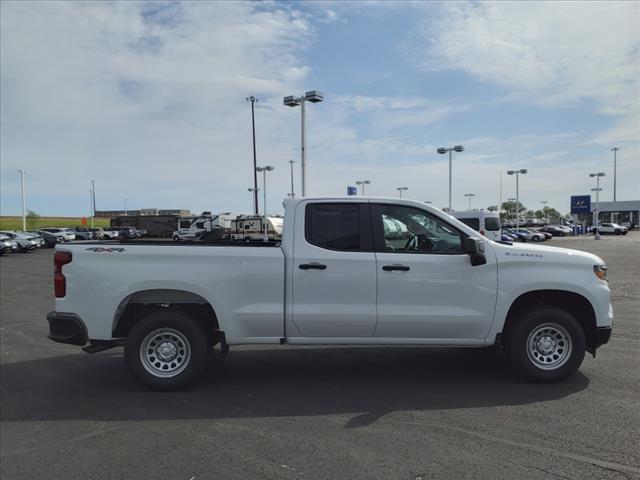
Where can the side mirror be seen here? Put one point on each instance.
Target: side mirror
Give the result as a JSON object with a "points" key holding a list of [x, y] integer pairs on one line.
{"points": [[475, 249]]}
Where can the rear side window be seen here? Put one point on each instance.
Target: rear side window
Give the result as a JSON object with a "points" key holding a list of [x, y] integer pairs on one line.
{"points": [[337, 226], [472, 222], [492, 224]]}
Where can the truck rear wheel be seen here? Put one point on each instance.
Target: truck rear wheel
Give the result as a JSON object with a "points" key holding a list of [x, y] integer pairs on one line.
{"points": [[166, 350], [546, 345]]}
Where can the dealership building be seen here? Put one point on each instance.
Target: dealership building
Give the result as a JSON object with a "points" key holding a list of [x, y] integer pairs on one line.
{"points": [[583, 207]]}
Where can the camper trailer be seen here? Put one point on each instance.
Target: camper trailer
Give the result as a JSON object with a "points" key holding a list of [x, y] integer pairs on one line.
{"points": [[251, 227], [196, 227]]}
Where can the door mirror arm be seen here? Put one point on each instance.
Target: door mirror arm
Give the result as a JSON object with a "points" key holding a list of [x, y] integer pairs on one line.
{"points": [[474, 247]]}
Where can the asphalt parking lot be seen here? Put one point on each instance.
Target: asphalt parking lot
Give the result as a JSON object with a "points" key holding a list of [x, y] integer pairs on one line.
{"points": [[284, 412]]}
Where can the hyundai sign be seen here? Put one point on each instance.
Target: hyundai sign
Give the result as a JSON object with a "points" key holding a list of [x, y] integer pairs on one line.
{"points": [[352, 190], [580, 203]]}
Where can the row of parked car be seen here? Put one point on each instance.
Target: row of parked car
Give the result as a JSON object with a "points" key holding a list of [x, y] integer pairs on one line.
{"points": [[17, 241], [535, 234]]}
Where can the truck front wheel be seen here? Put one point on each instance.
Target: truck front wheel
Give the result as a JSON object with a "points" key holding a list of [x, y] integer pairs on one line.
{"points": [[546, 344], [166, 350]]}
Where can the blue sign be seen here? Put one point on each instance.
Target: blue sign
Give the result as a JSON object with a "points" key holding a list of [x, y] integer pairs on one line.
{"points": [[352, 190], [580, 203]]}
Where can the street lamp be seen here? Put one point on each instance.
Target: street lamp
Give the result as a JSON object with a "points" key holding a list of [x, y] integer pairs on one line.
{"points": [[615, 159], [126, 212], [400, 189], [596, 219], [312, 96], [517, 173], [91, 206], [264, 171], [253, 100], [442, 151], [93, 196], [24, 207], [292, 194], [469, 195], [363, 183]]}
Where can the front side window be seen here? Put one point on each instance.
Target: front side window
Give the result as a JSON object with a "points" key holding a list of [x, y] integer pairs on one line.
{"points": [[410, 230], [185, 224], [335, 226]]}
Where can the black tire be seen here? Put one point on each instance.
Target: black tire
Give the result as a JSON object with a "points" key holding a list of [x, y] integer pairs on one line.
{"points": [[618, 232], [551, 325], [536, 239], [175, 330]]}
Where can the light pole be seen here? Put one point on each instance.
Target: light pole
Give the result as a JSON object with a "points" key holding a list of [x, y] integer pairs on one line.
{"points": [[469, 195], [254, 192], [312, 96], [363, 183], [400, 189], [126, 212], [596, 219], [264, 171], [253, 100], [24, 206], [293, 193], [91, 206], [93, 196], [517, 173], [443, 150], [615, 161]]}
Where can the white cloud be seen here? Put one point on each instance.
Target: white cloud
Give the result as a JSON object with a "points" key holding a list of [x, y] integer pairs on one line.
{"points": [[148, 98], [549, 53]]}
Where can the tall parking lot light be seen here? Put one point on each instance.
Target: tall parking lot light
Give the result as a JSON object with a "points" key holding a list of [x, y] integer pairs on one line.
{"points": [[24, 205], [363, 183], [517, 173], [442, 151], [253, 101], [615, 161], [293, 193], [401, 189], [264, 171], [312, 96], [596, 213], [469, 196]]}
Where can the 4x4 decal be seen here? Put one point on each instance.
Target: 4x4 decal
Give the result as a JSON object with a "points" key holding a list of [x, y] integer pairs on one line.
{"points": [[105, 250]]}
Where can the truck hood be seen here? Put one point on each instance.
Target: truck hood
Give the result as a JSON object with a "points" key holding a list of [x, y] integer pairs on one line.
{"points": [[543, 253]]}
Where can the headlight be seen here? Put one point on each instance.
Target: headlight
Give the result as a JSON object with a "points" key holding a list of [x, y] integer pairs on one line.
{"points": [[600, 271]]}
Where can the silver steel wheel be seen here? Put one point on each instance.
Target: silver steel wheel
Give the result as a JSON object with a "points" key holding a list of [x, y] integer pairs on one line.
{"points": [[549, 346], [165, 352]]}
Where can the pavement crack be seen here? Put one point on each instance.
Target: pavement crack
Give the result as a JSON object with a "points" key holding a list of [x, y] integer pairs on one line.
{"points": [[617, 467]]}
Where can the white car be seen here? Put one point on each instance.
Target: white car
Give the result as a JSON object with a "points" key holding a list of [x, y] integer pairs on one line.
{"points": [[337, 277], [532, 235], [26, 242], [66, 233], [612, 228]]}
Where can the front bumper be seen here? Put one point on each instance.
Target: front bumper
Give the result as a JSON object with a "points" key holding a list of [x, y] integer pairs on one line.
{"points": [[67, 328]]}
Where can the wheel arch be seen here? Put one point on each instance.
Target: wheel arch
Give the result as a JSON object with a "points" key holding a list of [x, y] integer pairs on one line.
{"points": [[138, 304], [574, 303]]}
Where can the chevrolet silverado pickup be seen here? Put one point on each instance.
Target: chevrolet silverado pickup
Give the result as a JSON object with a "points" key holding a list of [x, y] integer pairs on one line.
{"points": [[347, 271]]}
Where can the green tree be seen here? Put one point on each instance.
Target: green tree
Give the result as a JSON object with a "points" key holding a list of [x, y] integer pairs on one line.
{"points": [[509, 210], [32, 220], [492, 208]]}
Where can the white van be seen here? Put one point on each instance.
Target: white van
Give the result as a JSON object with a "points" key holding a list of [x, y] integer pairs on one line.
{"points": [[485, 222]]}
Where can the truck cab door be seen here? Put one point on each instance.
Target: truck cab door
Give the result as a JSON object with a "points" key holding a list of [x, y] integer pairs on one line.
{"points": [[427, 287], [333, 272]]}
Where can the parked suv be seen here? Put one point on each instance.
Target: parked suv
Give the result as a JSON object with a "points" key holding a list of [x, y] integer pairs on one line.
{"points": [[612, 228]]}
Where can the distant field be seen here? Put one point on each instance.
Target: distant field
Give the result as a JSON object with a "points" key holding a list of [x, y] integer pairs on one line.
{"points": [[15, 223]]}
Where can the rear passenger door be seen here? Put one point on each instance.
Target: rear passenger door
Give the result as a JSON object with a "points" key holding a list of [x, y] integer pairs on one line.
{"points": [[334, 271]]}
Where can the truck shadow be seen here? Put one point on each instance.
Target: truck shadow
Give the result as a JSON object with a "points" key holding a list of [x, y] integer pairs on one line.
{"points": [[364, 383]]}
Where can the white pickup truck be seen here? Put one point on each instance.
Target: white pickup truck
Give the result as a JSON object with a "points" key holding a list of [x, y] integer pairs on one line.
{"points": [[338, 277]]}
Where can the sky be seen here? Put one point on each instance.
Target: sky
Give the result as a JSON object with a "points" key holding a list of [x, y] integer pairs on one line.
{"points": [[149, 100]]}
